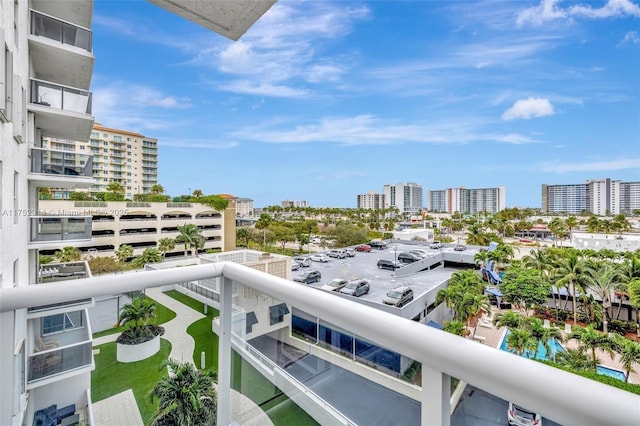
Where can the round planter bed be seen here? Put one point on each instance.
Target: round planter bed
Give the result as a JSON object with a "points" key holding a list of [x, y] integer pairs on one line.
{"points": [[137, 352]]}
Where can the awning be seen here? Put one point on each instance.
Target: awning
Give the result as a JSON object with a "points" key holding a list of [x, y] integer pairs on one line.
{"points": [[434, 325]]}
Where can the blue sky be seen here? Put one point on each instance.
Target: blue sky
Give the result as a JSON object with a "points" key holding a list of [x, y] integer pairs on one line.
{"points": [[322, 101]]}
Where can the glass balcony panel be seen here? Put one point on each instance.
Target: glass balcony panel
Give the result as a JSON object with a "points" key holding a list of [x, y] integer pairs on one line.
{"points": [[57, 361], [54, 162], [60, 31], [60, 228], [60, 97]]}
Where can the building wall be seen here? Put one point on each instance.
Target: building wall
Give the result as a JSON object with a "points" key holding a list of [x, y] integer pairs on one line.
{"points": [[406, 197], [118, 223], [244, 207], [465, 200], [597, 196], [630, 197], [371, 201]]}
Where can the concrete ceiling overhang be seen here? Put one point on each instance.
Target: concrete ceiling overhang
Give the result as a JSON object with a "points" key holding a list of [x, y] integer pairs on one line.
{"points": [[227, 17]]}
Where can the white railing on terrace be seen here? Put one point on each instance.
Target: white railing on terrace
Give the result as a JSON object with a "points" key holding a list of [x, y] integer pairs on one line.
{"points": [[559, 395]]}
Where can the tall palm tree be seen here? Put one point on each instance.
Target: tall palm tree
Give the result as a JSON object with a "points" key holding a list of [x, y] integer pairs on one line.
{"points": [[137, 314], [509, 319], [576, 359], [568, 272], [165, 245], [603, 282], [542, 334], [186, 396], [157, 189], [191, 237], [149, 255], [591, 339], [124, 252], [629, 352], [197, 193], [520, 341]]}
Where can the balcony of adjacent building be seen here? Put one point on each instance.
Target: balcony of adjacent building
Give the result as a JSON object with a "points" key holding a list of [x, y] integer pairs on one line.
{"points": [[60, 404], [52, 231], [61, 111], [60, 169], [52, 272], [60, 344], [60, 51]]}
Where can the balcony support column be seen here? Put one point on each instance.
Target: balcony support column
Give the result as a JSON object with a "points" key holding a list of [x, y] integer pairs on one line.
{"points": [[224, 353], [436, 394]]}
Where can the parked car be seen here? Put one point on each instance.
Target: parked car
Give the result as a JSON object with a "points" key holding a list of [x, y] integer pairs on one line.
{"points": [[435, 245], [460, 247], [399, 296], [309, 277], [320, 258], [363, 247], [350, 252], [315, 240], [519, 416], [337, 253], [406, 257], [356, 287], [420, 252], [378, 244], [334, 285], [389, 264], [295, 266], [304, 261]]}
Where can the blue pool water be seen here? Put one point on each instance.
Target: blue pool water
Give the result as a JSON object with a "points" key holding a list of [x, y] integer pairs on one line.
{"points": [[611, 372], [541, 354]]}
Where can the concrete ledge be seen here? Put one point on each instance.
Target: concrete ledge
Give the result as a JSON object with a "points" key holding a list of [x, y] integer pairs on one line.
{"points": [[133, 353]]}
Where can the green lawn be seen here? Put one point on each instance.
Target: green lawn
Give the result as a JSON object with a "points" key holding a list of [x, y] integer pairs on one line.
{"points": [[163, 314], [246, 379], [112, 377]]}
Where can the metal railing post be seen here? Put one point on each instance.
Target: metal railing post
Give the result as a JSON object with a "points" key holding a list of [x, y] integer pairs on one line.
{"points": [[224, 353]]}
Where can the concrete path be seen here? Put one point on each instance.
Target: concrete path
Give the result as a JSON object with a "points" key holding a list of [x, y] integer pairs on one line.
{"points": [[243, 410]]}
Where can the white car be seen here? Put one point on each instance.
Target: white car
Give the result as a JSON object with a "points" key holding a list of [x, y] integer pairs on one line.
{"points": [[518, 416], [320, 258], [304, 261], [335, 284], [295, 266]]}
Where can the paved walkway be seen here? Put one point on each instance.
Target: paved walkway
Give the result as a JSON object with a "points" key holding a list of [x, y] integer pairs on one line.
{"points": [[243, 410]]}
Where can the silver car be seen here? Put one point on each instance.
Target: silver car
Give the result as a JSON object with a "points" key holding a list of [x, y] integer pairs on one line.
{"points": [[356, 287], [304, 261]]}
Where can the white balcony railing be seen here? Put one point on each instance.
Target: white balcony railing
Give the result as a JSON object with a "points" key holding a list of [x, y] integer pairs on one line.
{"points": [[60, 31], [560, 396], [60, 97], [60, 228], [54, 162]]}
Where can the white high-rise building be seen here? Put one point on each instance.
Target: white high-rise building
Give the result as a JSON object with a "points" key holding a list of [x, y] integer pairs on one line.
{"points": [[406, 197], [597, 196], [463, 200], [371, 201], [603, 196]]}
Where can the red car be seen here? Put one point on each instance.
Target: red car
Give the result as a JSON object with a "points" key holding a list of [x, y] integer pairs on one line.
{"points": [[363, 247]]}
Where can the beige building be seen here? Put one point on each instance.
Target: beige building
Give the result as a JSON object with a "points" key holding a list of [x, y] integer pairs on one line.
{"points": [[100, 228], [128, 158]]}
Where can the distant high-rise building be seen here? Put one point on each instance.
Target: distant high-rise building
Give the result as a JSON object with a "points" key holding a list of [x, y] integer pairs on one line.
{"points": [[289, 203], [371, 201], [464, 200], [406, 197], [597, 196], [129, 158], [244, 207]]}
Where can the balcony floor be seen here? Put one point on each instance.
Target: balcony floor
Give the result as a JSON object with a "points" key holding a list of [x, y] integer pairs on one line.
{"points": [[361, 400]]}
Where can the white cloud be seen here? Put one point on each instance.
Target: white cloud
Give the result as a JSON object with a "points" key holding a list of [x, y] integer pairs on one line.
{"points": [[248, 87], [630, 37], [548, 10], [528, 108], [596, 166]]}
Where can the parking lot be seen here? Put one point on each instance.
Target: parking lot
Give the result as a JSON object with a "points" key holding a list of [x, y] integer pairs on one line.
{"points": [[364, 265]]}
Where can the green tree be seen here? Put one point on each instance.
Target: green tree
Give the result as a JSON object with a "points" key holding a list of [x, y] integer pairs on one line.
{"points": [[79, 196], [520, 341], [186, 396], [191, 237], [524, 288], [576, 359], [633, 289], [136, 315], [216, 202], [124, 253], [262, 224], [542, 334], [243, 236], [602, 280], [509, 319], [568, 272], [629, 352], [283, 234], [103, 264], [197, 193], [157, 189], [68, 254], [455, 327], [166, 245], [149, 255], [115, 192], [591, 339]]}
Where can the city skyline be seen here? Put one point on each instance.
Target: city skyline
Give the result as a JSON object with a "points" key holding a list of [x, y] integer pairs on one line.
{"points": [[323, 101]]}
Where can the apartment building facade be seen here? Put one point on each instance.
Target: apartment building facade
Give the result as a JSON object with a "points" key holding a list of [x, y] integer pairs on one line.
{"points": [[597, 196], [289, 203], [129, 158], [371, 201], [406, 197], [244, 207], [463, 200], [46, 69]]}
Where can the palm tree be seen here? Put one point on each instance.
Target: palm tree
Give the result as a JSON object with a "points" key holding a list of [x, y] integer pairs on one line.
{"points": [[149, 255], [186, 396], [520, 341], [136, 315], [165, 245], [124, 252], [509, 319], [157, 189], [591, 339], [602, 281], [191, 237], [542, 334], [455, 327], [568, 272], [197, 193], [68, 254], [629, 352], [576, 359]]}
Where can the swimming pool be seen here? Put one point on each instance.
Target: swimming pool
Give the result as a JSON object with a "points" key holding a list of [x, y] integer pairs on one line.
{"points": [[554, 347], [611, 372]]}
